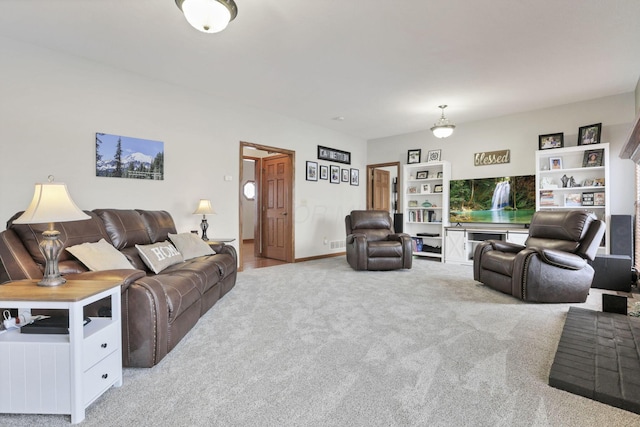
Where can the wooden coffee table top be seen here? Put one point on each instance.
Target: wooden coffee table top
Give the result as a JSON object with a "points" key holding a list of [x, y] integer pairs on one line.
{"points": [[72, 291]]}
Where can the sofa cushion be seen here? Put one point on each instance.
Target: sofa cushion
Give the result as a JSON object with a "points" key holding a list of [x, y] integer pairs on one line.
{"points": [[100, 256], [71, 233], [190, 245], [159, 224], [159, 256], [125, 227]]}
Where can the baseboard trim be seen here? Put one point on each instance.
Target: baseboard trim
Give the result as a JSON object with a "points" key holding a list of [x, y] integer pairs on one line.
{"points": [[311, 258]]}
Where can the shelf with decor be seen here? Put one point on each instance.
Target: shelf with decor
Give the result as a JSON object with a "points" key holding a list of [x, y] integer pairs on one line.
{"points": [[575, 178], [426, 206]]}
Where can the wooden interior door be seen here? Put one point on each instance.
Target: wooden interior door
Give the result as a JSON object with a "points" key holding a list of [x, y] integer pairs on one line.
{"points": [[276, 196], [381, 190]]}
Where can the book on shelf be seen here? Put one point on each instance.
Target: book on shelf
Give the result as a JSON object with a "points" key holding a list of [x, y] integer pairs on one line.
{"points": [[587, 199], [546, 198], [598, 198], [573, 200], [417, 244]]}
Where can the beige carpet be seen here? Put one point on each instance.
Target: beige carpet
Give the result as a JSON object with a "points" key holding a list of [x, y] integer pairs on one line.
{"points": [[318, 344]]}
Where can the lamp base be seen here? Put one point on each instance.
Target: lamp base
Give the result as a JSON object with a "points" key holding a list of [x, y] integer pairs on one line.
{"points": [[204, 225], [51, 247]]}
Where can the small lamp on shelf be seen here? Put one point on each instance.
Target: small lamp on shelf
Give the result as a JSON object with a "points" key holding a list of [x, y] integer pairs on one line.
{"points": [[204, 208], [51, 203]]}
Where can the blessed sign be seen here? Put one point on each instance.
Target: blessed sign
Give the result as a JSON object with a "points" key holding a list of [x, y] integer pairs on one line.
{"points": [[333, 155], [491, 158]]}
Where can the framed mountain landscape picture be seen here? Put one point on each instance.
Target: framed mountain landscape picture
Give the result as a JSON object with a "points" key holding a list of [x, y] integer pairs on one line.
{"points": [[126, 157]]}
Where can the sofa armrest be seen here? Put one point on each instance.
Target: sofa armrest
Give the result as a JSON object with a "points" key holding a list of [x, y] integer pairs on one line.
{"points": [[221, 248], [15, 261], [125, 277]]}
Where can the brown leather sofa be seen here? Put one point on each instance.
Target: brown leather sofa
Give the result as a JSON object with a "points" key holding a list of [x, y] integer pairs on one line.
{"points": [[157, 309], [552, 266], [372, 243]]}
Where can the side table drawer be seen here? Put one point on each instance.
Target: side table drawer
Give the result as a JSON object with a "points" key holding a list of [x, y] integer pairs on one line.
{"points": [[101, 341], [102, 376]]}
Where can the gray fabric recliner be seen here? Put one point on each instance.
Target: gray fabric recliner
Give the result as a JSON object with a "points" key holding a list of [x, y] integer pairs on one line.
{"points": [[372, 243], [552, 266]]}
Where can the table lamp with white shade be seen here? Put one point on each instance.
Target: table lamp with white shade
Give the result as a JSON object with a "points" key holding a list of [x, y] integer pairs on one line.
{"points": [[51, 203], [204, 209]]}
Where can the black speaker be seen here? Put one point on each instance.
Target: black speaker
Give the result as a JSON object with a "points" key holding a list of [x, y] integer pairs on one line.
{"points": [[397, 222], [612, 272], [621, 229], [614, 304]]}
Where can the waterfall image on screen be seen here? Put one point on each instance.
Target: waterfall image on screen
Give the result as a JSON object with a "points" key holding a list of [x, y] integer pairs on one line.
{"points": [[501, 200]]}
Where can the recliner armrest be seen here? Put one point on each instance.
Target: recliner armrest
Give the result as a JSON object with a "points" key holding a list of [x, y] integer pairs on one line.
{"points": [[398, 237], [561, 259], [500, 245], [357, 236]]}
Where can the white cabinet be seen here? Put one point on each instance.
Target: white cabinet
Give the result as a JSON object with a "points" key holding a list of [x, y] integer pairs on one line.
{"points": [[60, 373], [426, 206], [575, 178], [460, 243]]}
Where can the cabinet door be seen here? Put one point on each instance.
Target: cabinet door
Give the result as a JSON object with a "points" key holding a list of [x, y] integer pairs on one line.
{"points": [[455, 246]]}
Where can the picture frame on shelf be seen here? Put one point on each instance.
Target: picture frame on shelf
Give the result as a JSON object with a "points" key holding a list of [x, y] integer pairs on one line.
{"points": [[355, 176], [587, 182], [551, 141], [593, 158], [413, 156], [573, 200], [426, 188], [312, 171], [555, 163], [589, 134], [437, 188], [440, 175], [598, 198], [345, 175], [324, 172], [334, 174], [422, 175], [598, 182], [587, 199], [413, 203], [412, 189], [434, 155]]}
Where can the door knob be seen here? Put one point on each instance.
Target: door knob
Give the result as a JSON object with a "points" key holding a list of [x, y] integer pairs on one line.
{"points": [[284, 213]]}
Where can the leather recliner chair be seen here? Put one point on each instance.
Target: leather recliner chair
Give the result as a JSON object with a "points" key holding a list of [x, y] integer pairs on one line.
{"points": [[372, 243], [552, 266]]}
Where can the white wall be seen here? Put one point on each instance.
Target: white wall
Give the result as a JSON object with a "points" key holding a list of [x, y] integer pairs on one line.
{"points": [[52, 104], [519, 133]]}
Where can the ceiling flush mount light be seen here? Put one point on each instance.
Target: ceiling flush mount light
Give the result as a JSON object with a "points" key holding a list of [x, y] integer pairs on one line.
{"points": [[208, 16], [443, 128]]}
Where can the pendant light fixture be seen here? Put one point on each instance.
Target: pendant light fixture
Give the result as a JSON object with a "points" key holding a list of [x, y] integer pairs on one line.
{"points": [[442, 128], [208, 16]]}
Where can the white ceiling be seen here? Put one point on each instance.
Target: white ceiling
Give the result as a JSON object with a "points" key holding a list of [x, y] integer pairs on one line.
{"points": [[384, 65]]}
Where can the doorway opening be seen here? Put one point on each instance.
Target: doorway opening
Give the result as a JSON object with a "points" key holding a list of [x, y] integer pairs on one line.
{"points": [[266, 219], [383, 182]]}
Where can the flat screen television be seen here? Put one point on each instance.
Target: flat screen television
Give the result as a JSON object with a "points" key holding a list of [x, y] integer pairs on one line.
{"points": [[500, 200]]}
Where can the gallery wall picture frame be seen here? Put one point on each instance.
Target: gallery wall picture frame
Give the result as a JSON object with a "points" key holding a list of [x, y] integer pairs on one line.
{"points": [[413, 156], [437, 188], [312, 171], [593, 158], [345, 175], [551, 141], [422, 175], [334, 174], [434, 155], [334, 155], [355, 176], [589, 134], [324, 172], [555, 163]]}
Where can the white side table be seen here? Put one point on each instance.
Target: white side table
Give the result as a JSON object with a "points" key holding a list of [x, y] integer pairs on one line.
{"points": [[60, 374]]}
